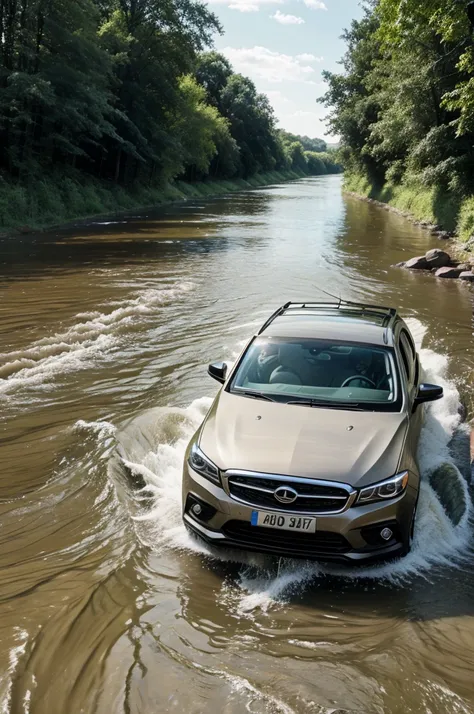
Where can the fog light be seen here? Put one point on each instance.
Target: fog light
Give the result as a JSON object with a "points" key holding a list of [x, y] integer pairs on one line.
{"points": [[197, 510], [386, 533]]}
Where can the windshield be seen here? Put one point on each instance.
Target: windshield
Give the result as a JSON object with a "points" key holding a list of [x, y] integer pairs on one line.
{"points": [[318, 372]]}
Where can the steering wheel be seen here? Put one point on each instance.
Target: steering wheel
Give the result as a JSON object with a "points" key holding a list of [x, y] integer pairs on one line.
{"points": [[359, 377]]}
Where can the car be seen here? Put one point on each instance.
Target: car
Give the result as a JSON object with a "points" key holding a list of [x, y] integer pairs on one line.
{"points": [[309, 449]]}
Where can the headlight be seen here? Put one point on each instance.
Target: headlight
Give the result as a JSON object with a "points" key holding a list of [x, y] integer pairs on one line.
{"points": [[200, 463], [384, 490]]}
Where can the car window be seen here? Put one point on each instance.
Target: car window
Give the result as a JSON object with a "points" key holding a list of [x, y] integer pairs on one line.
{"points": [[411, 344], [407, 356], [310, 369]]}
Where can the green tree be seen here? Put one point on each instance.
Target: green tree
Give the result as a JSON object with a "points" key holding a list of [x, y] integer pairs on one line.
{"points": [[201, 133], [297, 156], [252, 125], [213, 71], [55, 103]]}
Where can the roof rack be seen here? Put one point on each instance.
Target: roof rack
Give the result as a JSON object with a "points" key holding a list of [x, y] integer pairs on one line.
{"points": [[388, 313]]}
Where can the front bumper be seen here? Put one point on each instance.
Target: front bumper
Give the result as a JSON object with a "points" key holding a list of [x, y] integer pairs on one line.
{"points": [[350, 537]]}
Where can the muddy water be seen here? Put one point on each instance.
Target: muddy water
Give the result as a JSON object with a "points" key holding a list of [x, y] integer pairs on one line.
{"points": [[106, 605]]}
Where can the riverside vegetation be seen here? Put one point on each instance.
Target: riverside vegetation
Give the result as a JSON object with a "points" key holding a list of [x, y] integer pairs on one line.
{"points": [[112, 104], [404, 107]]}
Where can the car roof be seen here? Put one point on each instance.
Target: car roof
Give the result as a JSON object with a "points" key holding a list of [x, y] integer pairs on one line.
{"points": [[348, 323]]}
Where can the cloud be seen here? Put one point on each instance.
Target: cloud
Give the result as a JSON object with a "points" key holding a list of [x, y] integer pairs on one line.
{"points": [[261, 63], [305, 57], [305, 123], [315, 4], [275, 95], [302, 113], [287, 19], [245, 5]]}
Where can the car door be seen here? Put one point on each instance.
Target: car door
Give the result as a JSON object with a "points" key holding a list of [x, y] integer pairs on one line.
{"points": [[411, 371]]}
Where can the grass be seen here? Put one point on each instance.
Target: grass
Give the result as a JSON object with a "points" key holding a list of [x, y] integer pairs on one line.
{"points": [[423, 203], [57, 200]]}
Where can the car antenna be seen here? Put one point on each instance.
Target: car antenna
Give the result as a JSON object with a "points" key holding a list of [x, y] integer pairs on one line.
{"points": [[339, 299]]}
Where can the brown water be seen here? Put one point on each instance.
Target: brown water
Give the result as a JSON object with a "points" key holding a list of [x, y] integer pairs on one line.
{"points": [[106, 605]]}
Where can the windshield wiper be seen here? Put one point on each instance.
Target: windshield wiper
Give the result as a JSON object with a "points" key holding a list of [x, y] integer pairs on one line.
{"points": [[254, 395], [326, 403]]}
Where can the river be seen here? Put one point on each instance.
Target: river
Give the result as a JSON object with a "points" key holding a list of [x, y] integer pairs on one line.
{"points": [[107, 606]]}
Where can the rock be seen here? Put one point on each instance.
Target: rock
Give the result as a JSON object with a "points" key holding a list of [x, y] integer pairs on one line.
{"points": [[25, 229], [465, 267], [418, 263], [399, 265], [467, 275], [448, 273], [437, 258], [443, 235]]}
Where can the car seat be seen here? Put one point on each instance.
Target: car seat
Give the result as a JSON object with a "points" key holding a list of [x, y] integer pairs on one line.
{"points": [[293, 367]]}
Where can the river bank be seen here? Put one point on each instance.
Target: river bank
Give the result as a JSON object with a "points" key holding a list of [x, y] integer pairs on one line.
{"points": [[439, 212], [54, 202]]}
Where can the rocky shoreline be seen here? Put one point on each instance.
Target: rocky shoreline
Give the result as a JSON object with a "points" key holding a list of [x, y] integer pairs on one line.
{"points": [[441, 264]]}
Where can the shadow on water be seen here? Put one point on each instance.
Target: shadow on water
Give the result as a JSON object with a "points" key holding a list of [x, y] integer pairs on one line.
{"points": [[152, 236]]}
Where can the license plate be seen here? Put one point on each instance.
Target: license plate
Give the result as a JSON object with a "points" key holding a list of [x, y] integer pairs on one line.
{"points": [[283, 522]]}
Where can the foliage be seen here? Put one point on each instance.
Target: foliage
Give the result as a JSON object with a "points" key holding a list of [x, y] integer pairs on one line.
{"points": [[404, 104], [125, 91], [316, 145], [56, 199]]}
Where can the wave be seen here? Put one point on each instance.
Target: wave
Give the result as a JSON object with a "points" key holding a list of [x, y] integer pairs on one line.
{"points": [[89, 340]]}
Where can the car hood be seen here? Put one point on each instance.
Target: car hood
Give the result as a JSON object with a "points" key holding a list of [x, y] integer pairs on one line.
{"points": [[357, 448]]}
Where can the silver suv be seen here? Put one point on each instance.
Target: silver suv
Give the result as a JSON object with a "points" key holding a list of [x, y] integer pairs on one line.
{"points": [[309, 449]]}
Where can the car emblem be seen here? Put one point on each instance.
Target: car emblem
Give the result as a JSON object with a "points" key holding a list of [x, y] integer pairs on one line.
{"points": [[286, 494]]}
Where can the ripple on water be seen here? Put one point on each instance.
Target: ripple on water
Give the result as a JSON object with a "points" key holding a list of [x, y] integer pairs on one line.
{"points": [[90, 340]]}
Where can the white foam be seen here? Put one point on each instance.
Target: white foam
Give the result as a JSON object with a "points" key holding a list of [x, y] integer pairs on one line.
{"points": [[242, 685], [6, 679], [154, 446], [89, 340]]}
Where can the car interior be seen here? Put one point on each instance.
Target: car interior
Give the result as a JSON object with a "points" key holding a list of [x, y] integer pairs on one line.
{"points": [[318, 368]]}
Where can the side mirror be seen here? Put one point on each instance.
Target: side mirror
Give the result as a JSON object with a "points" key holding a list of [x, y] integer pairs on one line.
{"points": [[428, 393], [218, 371]]}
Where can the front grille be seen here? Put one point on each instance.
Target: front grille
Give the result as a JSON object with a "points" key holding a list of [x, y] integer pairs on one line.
{"points": [[312, 497], [277, 542]]}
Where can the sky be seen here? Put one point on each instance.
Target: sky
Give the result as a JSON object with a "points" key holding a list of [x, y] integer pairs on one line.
{"points": [[283, 46]]}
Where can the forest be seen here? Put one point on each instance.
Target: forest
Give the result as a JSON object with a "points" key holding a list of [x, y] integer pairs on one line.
{"points": [[107, 103], [403, 105]]}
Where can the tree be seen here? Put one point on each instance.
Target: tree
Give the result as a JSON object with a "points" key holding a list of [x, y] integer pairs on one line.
{"points": [[404, 105], [201, 133], [252, 124], [55, 102], [213, 71]]}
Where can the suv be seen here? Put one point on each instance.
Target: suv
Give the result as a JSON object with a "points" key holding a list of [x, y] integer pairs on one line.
{"points": [[309, 449]]}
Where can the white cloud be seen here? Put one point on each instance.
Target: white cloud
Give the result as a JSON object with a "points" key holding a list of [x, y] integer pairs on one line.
{"points": [[246, 5], [305, 57], [306, 123], [275, 95], [315, 4], [287, 19], [261, 63]]}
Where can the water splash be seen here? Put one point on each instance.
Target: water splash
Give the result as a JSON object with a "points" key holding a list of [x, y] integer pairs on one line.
{"points": [[152, 449]]}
